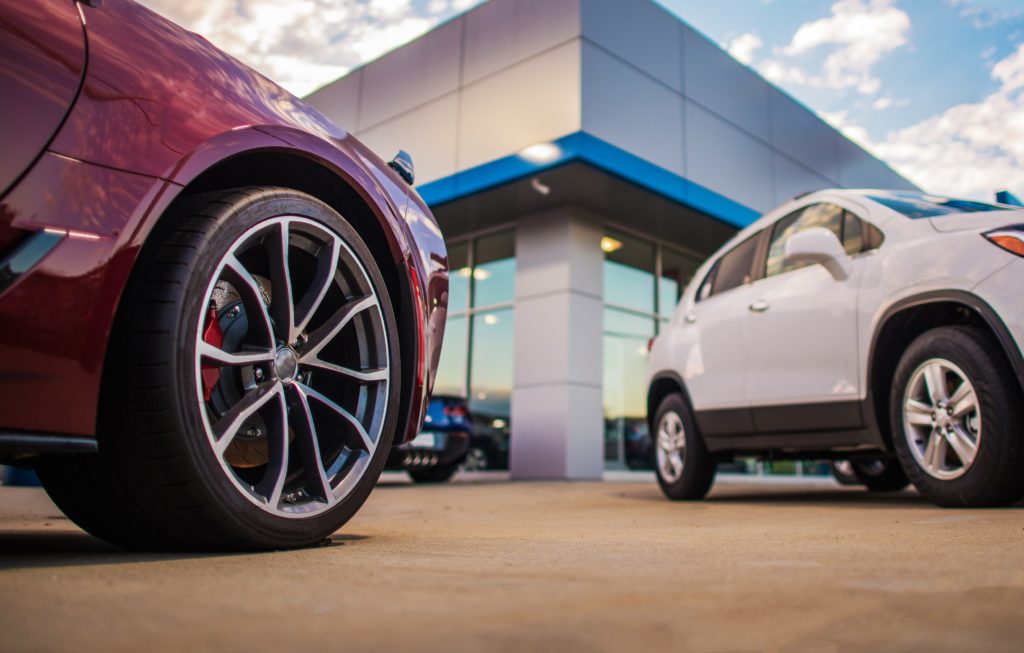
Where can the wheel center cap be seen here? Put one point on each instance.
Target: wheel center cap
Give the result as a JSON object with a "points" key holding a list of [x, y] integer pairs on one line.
{"points": [[286, 364]]}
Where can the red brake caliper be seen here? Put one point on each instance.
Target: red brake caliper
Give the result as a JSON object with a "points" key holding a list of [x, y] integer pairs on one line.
{"points": [[214, 336]]}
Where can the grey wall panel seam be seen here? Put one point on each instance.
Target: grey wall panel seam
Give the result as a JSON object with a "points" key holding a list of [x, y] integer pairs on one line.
{"points": [[463, 87]]}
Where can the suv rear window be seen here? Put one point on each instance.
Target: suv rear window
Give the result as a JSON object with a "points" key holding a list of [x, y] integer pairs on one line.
{"points": [[920, 205]]}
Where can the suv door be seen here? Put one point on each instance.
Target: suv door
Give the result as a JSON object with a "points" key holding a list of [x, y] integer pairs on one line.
{"points": [[42, 59], [801, 330], [714, 359]]}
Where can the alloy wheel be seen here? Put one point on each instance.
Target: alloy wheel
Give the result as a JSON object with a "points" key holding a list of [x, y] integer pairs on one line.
{"points": [[671, 447], [292, 366], [942, 419]]}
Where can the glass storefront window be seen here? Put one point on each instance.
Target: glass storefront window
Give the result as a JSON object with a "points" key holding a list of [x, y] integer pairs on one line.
{"points": [[628, 272], [490, 396], [477, 355], [458, 278], [624, 391], [451, 370], [676, 271], [494, 270]]}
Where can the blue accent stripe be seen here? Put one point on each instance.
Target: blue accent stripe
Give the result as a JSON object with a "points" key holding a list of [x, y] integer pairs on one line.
{"points": [[589, 149]]}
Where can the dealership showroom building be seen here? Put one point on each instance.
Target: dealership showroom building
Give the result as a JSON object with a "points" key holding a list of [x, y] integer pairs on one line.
{"points": [[582, 158]]}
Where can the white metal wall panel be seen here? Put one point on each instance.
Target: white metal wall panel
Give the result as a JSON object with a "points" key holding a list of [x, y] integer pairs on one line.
{"points": [[412, 75], [499, 34], [641, 33], [534, 101], [628, 109], [727, 160]]}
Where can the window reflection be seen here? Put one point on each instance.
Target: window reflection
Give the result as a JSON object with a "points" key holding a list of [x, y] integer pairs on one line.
{"points": [[458, 278], [828, 216], [492, 358], [625, 370], [451, 370], [494, 270], [478, 343], [628, 272], [676, 271]]}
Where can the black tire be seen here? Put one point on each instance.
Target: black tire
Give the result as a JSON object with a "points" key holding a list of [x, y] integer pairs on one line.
{"points": [[698, 465], [995, 477], [435, 474], [880, 475], [156, 482]]}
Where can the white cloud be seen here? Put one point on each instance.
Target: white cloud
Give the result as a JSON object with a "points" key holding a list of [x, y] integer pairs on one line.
{"points": [[887, 102], [858, 35], [970, 149], [304, 44], [744, 46]]}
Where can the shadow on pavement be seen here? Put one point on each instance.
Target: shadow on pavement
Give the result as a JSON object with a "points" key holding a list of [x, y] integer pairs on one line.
{"points": [[852, 498], [838, 498], [32, 549]]}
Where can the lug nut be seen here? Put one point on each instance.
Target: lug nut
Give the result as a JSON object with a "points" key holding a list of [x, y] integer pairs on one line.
{"points": [[258, 374], [253, 432]]}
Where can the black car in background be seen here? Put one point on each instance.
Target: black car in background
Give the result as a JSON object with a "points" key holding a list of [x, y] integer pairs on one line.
{"points": [[435, 454], [488, 445]]}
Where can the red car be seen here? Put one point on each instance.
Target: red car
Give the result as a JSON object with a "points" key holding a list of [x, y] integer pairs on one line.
{"points": [[218, 311]]}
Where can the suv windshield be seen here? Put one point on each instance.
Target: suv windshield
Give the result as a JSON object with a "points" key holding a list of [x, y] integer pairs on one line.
{"points": [[921, 205]]}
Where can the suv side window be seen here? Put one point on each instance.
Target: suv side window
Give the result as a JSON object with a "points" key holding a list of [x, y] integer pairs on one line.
{"points": [[828, 216], [859, 236], [734, 269]]}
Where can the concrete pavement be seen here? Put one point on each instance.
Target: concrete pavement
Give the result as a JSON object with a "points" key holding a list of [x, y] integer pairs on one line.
{"points": [[541, 566]]}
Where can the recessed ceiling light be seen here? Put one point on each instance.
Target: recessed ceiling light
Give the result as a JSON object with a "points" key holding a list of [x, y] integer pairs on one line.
{"points": [[609, 245], [541, 153]]}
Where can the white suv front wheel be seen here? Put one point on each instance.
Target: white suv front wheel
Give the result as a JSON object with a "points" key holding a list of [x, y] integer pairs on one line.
{"points": [[957, 422]]}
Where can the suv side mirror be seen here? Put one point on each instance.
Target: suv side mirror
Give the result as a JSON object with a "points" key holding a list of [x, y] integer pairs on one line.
{"points": [[819, 245]]}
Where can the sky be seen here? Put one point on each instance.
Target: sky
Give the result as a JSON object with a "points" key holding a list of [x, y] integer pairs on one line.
{"points": [[933, 87]]}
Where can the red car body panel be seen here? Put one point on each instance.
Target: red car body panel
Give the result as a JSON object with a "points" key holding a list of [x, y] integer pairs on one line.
{"points": [[160, 106]]}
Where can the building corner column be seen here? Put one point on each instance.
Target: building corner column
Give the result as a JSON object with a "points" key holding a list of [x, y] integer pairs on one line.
{"points": [[557, 412]]}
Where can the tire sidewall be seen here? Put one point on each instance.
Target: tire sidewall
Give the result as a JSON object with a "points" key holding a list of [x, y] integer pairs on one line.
{"points": [[693, 482], [255, 522], [966, 348]]}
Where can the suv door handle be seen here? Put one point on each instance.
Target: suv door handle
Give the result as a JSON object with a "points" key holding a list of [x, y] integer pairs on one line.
{"points": [[760, 306]]}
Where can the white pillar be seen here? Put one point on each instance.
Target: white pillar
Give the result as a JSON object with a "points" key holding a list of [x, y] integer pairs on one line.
{"points": [[557, 414]]}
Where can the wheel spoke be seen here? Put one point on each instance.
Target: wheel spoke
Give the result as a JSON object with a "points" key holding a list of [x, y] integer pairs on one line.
{"points": [[326, 266], [319, 338], [277, 466], [935, 452], [252, 297], [966, 449], [918, 413], [281, 302], [935, 379], [309, 446], [226, 427], [367, 376], [369, 444], [218, 355], [964, 400]]}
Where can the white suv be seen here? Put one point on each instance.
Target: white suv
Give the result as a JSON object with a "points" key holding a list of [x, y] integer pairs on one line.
{"points": [[859, 325]]}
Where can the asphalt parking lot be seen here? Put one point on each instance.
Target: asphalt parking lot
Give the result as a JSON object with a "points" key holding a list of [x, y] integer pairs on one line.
{"points": [[502, 566]]}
